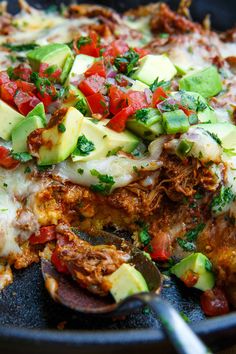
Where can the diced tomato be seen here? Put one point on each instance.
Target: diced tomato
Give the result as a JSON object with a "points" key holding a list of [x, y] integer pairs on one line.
{"points": [[25, 86], [48, 96], [8, 92], [158, 95], [23, 72], [91, 85], [25, 102], [58, 264], [44, 71], [190, 278], [187, 111], [6, 161], [97, 68], [118, 122], [117, 99], [214, 302], [115, 48], [98, 104], [142, 52], [160, 247], [4, 78], [136, 99], [91, 48], [46, 234]]}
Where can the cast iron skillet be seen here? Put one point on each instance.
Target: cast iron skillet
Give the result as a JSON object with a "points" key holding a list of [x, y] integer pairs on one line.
{"points": [[29, 318]]}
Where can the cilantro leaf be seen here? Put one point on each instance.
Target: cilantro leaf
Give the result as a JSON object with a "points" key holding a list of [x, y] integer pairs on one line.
{"points": [[127, 62], [84, 146], [20, 47], [21, 156], [105, 182], [144, 236], [186, 245], [224, 197], [156, 83], [83, 41]]}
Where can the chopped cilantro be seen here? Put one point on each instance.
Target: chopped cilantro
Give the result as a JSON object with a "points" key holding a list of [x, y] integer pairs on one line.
{"points": [[215, 137], [127, 62], [230, 152], [44, 168], [5, 185], [82, 107], [186, 245], [105, 182], [192, 235], [224, 197], [144, 236], [84, 146], [20, 47], [41, 83], [27, 169], [21, 156], [80, 171], [83, 41], [156, 83], [61, 127]]}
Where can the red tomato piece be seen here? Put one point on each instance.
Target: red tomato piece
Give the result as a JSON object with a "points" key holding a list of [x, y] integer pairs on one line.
{"points": [[90, 48], [137, 99], [8, 92], [117, 99], [142, 51], [118, 122], [55, 74], [25, 102], [58, 264], [97, 68], [158, 95], [91, 85], [214, 302], [25, 86], [4, 78], [160, 247], [187, 111], [6, 161], [98, 104], [23, 72], [190, 278], [115, 48], [46, 234]]}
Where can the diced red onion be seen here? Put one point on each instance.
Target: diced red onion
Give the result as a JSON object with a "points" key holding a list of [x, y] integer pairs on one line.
{"points": [[148, 95]]}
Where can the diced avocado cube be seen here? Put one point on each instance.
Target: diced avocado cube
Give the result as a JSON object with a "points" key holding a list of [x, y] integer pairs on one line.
{"points": [[126, 281], [139, 86], [75, 98], [194, 101], [207, 82], [226, 132], [58, 143], [81, 63], [9, 118], [38, 111], [51, 54], [91, 144], [175, 122], [104, 140], [22, 130], [196, 266], [146, 123], [66, 69], [154, 66]]}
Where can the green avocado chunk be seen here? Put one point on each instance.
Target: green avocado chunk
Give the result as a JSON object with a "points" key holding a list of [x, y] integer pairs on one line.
{"points": [[175, 122], [207, 82], [146, 123], [9, 118], [59, 141], [225, 132], [126, 281], [38, 111], [195, 266], [152, 67], [75, 98], [194, 101], [22, 130], [51, 54], [103, 140]]}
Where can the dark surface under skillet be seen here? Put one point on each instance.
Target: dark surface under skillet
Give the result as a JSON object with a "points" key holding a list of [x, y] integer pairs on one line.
{"points": [[28, 316]]}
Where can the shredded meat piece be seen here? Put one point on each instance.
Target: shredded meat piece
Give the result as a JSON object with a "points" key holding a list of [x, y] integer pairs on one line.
{"points": [[170, 22], [89, 264], [88, 10]]}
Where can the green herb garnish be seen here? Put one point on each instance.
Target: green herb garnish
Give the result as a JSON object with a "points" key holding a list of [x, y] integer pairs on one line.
{"points": [[156, 83], [83, 41], [21, 156], [84, 146], [127, 63], [144, 236], [61, 127], [224, 197], [20, 47], [105, 182]]}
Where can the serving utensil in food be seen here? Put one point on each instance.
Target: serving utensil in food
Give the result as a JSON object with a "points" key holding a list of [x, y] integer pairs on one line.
{"points": [[67, 292]]}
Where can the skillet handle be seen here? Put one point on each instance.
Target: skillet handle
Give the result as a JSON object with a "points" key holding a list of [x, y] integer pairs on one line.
{"points": [[182, 337]]}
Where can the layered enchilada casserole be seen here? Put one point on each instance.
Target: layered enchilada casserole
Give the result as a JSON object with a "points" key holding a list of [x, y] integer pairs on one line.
{"points": [[120, 122]]}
